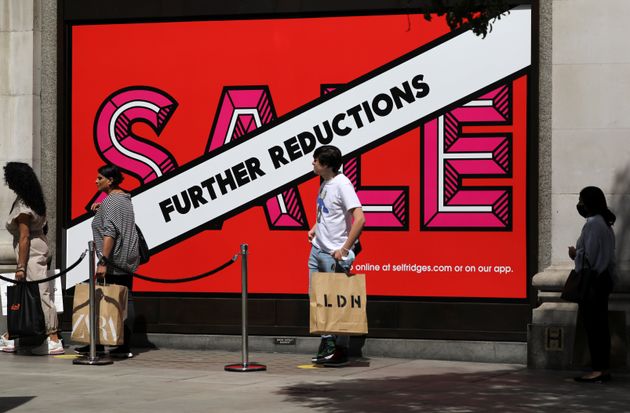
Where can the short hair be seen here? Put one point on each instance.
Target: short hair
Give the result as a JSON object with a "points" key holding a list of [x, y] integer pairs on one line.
{"points": [[328, 155], [112, 172]]}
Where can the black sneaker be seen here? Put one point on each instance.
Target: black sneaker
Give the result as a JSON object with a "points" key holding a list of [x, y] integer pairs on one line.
{"points": [[325, 350], [83, 350], [121, 352], [338, 359]]}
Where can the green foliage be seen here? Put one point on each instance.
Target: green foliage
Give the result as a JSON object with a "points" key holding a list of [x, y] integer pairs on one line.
{"points": [[477, 15]]}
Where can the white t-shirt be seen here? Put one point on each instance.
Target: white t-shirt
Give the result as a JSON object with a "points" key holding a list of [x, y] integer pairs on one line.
{"points": [[336, 198]]}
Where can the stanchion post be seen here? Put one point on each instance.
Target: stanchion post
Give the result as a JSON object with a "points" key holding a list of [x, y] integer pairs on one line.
{"points": [[245, 365], [92, 359]]}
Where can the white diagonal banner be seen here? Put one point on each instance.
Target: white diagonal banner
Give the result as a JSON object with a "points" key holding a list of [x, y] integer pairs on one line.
{"points": [[397, 96]]}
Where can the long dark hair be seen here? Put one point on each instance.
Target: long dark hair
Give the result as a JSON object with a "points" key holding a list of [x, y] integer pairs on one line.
{"points": [[21, 179], [594, 200]]}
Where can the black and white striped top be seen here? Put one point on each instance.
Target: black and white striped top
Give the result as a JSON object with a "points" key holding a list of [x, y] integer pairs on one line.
{"points": [[115, 218]]}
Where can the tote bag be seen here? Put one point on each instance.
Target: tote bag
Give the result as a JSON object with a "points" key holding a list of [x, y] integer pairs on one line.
{"points": [[338, 304], [111, 310], [25, 317]]}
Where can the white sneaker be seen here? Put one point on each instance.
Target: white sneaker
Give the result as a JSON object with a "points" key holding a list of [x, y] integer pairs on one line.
{"points": [[49, 347], [6, 345]]}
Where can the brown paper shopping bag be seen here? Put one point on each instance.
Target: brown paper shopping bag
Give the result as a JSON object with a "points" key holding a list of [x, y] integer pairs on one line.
{"points": [[111, 309], [338, 304]]}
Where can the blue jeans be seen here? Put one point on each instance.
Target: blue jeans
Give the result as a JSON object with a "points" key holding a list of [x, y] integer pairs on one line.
{"points": [[320, 261]]}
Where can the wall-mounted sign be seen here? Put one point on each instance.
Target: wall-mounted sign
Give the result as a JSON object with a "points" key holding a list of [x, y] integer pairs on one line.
{"points": [[215, 122]]}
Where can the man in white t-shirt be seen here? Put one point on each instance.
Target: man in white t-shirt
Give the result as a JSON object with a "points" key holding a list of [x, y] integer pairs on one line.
{"points": [[340, 220]]}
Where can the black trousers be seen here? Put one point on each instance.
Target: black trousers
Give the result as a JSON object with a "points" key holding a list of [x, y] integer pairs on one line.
{"points": [[127, 281], [594, 311]]}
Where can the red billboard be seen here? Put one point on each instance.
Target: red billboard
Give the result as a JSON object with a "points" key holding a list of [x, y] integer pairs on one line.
{"points": [[214, 123]]}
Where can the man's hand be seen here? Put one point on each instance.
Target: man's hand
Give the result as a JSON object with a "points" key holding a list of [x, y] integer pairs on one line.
{"points": [[311, 234], [572, 252], [338, 254], [95, 206]]}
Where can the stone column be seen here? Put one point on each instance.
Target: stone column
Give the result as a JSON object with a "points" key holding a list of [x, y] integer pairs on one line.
{"points": [[46, 24], [19, 102], [584, 137], [23, 84]]}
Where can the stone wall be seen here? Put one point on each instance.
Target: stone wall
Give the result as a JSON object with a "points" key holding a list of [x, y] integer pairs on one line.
{"points": [[19, 100], [583, 139], [28, 100], [590, 145]]}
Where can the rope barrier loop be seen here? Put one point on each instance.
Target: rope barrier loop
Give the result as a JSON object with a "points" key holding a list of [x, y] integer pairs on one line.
{"points": [[171, 281], [70, 268]]}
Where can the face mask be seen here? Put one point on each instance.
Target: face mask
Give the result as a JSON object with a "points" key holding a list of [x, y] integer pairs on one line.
{"points": [[581, 209]]}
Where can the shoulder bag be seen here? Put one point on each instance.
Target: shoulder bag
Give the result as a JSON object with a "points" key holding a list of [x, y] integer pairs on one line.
{"points": [[143, 248], [578, 285]]}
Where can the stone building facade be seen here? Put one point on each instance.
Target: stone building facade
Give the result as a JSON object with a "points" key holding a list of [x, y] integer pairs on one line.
{"points": [[583, 139]]}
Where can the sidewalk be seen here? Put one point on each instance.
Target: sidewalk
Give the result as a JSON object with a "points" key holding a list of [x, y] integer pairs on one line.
{"points": [[185, 381]]}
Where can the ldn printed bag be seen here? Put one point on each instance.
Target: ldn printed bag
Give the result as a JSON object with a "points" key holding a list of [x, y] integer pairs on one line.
{"points": [[338, 304], [110, 303], [25, 317]]}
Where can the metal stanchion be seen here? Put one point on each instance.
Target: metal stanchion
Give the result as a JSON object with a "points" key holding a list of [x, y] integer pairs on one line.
{"points": [[245, 365], [92, 358]]}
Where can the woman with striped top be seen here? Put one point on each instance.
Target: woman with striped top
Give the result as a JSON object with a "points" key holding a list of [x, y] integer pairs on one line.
{"points": [[116, 238]]}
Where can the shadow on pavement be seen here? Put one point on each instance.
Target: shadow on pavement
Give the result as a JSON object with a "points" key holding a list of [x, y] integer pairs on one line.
{"points": [[8, 403], [520, 391]]}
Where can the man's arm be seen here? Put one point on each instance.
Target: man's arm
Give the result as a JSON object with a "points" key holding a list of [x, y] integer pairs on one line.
{"points": [[355, 230], [311, 233]]}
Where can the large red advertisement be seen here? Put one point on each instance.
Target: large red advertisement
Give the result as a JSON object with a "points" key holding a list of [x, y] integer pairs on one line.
{"points": [[443, 187]]}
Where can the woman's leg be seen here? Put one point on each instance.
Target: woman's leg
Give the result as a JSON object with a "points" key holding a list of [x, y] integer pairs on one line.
{"points": [[37, 269], [595, 317], [601, 358]]}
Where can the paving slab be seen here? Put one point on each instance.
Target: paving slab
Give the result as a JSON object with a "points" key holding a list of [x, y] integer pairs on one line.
{"points": [[183, 381]]}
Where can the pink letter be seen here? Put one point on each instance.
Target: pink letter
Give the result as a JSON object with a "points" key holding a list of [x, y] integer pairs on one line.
{"points": [[242, 110], [115, 142], [384, 208], [449, 155]]}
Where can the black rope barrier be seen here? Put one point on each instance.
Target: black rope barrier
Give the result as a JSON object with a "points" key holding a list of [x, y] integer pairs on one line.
{"points": [[170, 281], [70, 268]]}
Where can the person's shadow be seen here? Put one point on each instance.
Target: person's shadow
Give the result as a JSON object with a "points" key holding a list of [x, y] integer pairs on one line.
{"points": [[140, 340]]}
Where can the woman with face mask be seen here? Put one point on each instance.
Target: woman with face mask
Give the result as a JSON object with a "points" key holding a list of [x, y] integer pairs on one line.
{"points": [[595, 248]]}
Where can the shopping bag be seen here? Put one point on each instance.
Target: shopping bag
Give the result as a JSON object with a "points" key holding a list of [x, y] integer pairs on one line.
{"points": [[338, 304], [110, 303], [25, 317], [55, 286]]}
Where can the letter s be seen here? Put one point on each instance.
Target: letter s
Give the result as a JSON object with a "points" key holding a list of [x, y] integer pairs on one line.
{"points": [[115, 141], [422, 87]]}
